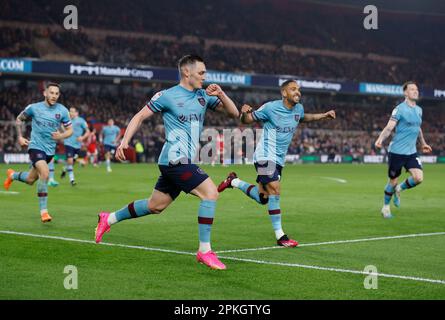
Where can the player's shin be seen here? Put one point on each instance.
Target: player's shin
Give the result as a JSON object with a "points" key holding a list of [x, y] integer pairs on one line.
{"points": [[408, 184], [20, 176], [42, 193], [205, 220], [275, 215], [69, 169], [249, 190], [133, 210], [389, 191]]}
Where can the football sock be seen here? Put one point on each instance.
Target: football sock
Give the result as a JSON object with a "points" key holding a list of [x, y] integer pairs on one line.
{"points": [[389, 191], [42, 193], [275, 215], [408, 184], [51, 170], [69, 168], [135, 209], [205, 220], [249, 189], [20, 176]]}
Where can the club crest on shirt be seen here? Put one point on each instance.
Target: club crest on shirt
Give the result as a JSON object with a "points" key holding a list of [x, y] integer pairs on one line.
{"points": [[202, 101], [57, 116]]}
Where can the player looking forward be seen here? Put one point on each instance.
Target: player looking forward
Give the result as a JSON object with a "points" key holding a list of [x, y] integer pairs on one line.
{"points": [[280, 119], [406, 119], [74, 143], [183, 108], [46, 117], [110, 136]]}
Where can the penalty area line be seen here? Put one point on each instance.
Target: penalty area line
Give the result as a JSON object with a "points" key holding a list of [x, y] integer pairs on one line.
{"points": [[284, 264]]}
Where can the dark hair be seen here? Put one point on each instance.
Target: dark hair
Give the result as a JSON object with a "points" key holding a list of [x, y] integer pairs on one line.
{"points": [[52, 84], [286, 83], [189, 59], [406, 84]]}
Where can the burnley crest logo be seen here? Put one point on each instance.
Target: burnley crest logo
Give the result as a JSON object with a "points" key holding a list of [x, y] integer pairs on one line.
{"points": [[202, 101]]}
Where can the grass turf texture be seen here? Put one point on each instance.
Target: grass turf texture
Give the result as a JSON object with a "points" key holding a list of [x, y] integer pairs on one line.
{"points": [[315, 209]]}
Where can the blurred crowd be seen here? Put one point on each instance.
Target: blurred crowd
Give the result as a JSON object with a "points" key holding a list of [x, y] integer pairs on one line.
{"points": [[416, 38], [359, 118]]}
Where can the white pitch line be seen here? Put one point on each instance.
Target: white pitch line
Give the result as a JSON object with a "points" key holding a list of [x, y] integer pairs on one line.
{"points": [[295, 265], [9, 192], [335, 179], [93, 242], [339, 242]]}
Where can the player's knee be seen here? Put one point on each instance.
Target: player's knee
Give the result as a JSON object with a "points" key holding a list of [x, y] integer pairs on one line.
{"points": [[211, 194], [155, 208], [31, 181], [44, 176], [263, 199], [275, 190], [418, 179]]}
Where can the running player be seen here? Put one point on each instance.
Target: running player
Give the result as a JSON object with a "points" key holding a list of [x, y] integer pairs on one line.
{"points": [[183, 108], [281, 119], [47, 116], [74, 143], [109, 137], [406, 118]]}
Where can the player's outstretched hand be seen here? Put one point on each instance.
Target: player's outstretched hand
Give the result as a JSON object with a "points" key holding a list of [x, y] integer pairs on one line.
{"points": [[23, 142], [120, 152], [427, 148], [330, 114], [214, 90], [378, 144]]}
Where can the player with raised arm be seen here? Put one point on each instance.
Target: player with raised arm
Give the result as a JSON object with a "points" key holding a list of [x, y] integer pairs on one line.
{"points": [[110, 136], [280, 119], [74, 143], [406, 119], [46, 117], [183, 108]]}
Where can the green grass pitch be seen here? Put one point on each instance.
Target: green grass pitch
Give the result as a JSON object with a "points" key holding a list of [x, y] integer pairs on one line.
{"points": [[315, 207]]}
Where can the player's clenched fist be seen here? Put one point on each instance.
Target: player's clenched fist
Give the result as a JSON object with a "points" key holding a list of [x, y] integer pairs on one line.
{"points": [[214, 90], [330, 114], [246, 108]]}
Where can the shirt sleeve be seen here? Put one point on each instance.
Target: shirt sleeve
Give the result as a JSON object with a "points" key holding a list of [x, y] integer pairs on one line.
{"points": [[66, 120], [261, 114], [395, 115], [302, 113], [212, 102], [84, 125], [157, 102], [29, 111]]}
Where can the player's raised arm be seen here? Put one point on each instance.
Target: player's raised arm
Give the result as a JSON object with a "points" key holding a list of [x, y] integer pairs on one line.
{"points": [[132, 127], [426, 148], [386, 132], [226, 105], [309, 117]]}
